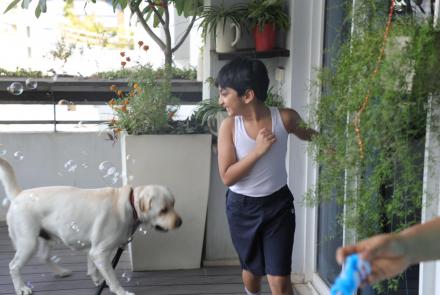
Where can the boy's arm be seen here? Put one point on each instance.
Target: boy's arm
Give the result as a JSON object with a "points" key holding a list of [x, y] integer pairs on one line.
{"points": [[230, 169], [294, 124]]}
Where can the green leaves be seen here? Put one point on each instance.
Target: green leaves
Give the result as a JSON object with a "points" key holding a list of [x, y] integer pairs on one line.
{"points": [[13, 4], [384, 189], [41, 7], [212, 16]]}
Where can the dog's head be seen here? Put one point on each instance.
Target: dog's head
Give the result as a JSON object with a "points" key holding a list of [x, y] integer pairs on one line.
{"points": [[155, 207]]}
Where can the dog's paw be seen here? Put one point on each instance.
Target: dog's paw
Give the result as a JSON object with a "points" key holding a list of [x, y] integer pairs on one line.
{"points": [[63, 273], [24, 290], [97, 280]]}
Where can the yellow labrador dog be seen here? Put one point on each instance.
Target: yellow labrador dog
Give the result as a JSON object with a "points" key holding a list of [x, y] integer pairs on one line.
{"points": [[97, 219]]}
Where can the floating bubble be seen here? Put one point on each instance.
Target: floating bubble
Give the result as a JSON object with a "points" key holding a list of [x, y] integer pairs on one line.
{"points": [[74, 226], [18, 155], [111, 171], [84, 165], [3, 152], [33, 198], [126, 277], [70, 166], [130, 177], [16, 88], [81, 243], [55, 259], [128, 157], [107, 168], [115, 177], [143, 230], [5, 202], [31, 83], [103, 166]]}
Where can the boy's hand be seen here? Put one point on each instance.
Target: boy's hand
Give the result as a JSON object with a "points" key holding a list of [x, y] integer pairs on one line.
{"points": [[264, 140], [386, 254]]}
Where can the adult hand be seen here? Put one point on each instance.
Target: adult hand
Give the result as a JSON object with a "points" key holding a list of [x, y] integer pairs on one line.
{"points": [[387, 254]]}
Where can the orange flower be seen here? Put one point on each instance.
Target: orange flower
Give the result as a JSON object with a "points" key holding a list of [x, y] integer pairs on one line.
{"points": [[140, 43], [125, 102], [113, 88], [119, 93], [122, 53], [135, 85], [146, 47], [123, 63], [128, 58], [124, 108], [112, 102]]}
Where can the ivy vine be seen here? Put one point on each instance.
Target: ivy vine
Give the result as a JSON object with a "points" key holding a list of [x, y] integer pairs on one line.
{"points": [[382, 190]]}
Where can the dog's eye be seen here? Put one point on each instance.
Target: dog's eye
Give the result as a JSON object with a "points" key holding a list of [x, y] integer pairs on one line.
{"points": [[164, 211]]}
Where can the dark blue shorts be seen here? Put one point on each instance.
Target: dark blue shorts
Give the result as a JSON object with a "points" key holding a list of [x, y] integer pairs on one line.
{"points": [[262, 231]]}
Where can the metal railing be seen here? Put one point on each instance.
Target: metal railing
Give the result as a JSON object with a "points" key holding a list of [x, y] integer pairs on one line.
{"points": [[77, 91]]}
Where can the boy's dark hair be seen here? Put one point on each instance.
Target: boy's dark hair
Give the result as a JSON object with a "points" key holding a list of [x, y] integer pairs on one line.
{"points": [[242, 74]]}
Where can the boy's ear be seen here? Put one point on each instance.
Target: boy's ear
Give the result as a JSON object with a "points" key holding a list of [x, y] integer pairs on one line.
{"points": [[249, 95]]}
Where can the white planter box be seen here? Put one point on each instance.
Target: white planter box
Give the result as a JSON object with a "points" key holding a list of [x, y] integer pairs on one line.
{"points": [[183, 163]]}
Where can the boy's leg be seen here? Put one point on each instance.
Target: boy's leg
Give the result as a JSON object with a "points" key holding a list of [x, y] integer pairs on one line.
{"points": [[280, 285], [251, 282]]}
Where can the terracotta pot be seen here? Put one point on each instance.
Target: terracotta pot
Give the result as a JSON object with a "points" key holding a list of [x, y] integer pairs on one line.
{"points": [[264, 39]]}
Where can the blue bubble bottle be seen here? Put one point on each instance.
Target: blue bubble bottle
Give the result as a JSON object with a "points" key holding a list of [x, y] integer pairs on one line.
{"points": [[355, 271]]}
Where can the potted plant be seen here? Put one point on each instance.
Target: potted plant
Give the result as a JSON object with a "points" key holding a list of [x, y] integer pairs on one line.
{"points": [[225, 22], [158, 149], [264, 17]]}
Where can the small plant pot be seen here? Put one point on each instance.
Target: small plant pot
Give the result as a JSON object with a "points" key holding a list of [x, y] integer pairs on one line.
{"points": [[264, 39]]}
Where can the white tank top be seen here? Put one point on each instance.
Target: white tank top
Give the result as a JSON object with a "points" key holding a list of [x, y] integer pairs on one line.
{"points": [[269, 173]]}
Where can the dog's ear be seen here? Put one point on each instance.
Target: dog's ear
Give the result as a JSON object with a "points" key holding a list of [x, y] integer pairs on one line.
{"points": [[145, 204]]}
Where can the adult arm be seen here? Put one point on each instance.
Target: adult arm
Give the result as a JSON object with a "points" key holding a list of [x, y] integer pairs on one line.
{"points": [[391, 254]]}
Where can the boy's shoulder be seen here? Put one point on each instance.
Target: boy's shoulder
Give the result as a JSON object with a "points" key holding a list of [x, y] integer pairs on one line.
{"points": [[227, 123]]}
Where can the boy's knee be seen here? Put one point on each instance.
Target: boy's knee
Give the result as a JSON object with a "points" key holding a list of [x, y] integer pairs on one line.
{"points": [[280, 284]]}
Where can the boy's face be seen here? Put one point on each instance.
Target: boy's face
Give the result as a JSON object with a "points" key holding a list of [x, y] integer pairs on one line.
{"points": [[230, 100]]}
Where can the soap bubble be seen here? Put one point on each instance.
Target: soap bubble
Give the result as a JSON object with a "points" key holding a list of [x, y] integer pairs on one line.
{"points": [[143, 230], [18, 155], [107, 168], [55, 259], [3, 152], [16, 88], [31, 84], [70, 166], [74, 226], [126, 277]]}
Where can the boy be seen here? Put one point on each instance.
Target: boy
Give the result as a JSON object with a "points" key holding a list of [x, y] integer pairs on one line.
{"points": [[252, 145]]}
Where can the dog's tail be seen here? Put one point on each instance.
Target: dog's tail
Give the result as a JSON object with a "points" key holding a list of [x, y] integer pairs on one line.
{"points": [[7, 177]]}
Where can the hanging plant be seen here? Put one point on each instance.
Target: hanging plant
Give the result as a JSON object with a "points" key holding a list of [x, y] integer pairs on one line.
{"points": [[380, 184]]}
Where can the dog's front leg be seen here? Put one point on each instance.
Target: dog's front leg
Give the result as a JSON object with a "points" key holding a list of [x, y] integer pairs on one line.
{"points": [[103, 263], [93, 272]]}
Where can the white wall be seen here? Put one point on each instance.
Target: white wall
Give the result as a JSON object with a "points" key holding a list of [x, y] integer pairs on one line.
{"points": [[305, 44]]}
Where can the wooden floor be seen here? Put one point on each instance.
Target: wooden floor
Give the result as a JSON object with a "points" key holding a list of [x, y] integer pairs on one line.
{"points": [[212, 280]]}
